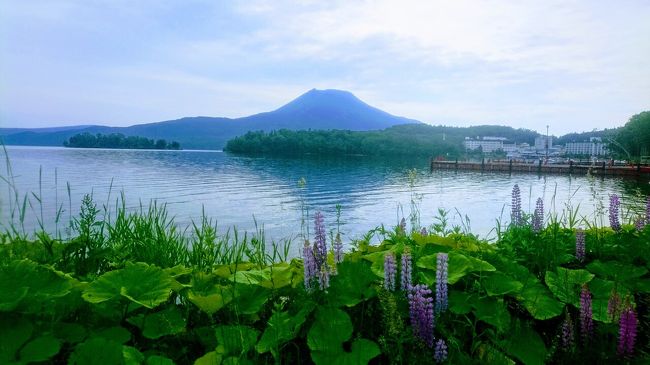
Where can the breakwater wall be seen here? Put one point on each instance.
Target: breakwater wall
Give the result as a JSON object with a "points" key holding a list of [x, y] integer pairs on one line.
{"points": [[601, 169]]}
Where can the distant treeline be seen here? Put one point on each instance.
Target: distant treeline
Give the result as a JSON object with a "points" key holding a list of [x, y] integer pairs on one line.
{"points": [[118, 140], [411, 140]]}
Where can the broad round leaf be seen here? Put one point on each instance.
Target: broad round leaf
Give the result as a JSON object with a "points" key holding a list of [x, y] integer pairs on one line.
{"points": [[40, 349], [97, 351], [140, 283]]}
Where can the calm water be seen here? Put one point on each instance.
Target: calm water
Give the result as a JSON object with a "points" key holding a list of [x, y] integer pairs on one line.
{"points": [[236, 191]]}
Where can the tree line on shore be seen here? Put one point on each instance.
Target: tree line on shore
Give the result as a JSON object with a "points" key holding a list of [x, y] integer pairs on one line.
{"points": [[118, 140]]}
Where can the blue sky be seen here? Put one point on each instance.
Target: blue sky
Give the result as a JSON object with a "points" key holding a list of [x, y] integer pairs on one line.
{"points": [[574, 65]]}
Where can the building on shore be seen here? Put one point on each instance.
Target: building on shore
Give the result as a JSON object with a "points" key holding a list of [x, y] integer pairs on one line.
{"points": [[595, 147], [487, 144]]}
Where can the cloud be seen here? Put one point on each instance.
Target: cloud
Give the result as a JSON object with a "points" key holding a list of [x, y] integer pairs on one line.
{"points": [[572, 64]]}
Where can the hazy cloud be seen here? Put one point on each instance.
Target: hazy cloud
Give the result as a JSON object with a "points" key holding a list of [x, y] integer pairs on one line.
{"points": [[575, 65]]}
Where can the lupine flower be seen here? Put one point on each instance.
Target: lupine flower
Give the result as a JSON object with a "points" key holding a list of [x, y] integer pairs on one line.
{"points": [[389, 272], [538, 217], [586, 317], [423, 232], [567, 333], [441, 282], [320, 244], [627, 331], [338, 249], [614, 207], [515, 215], [647, 211], [440, 354], [402, 226], [309, 263], [406, 270], [580, 245], [613, 305], [324, 278], [640, 224], [421, 311]]}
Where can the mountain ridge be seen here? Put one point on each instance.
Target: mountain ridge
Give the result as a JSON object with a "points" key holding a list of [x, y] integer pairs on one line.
{"points": [[315, 109]]}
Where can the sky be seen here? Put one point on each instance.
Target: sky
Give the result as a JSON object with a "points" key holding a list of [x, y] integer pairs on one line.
{"points": [[571, 65]]}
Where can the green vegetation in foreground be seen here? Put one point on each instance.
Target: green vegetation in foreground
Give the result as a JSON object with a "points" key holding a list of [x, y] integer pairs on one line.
{"points": [[402, 140], [134, 290], [118, 140]]}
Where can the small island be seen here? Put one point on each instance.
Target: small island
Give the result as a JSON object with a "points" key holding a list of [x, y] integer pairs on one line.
{"points": [[119, 141]]}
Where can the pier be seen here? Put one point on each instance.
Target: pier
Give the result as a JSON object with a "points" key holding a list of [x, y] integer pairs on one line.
{"points": [[599, 169]]}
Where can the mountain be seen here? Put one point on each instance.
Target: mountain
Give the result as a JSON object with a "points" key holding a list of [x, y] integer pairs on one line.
{"points": [[316, 109]]}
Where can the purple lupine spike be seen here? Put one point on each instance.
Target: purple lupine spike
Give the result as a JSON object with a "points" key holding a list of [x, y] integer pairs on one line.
{"points": [[402, 226], [627, 331], [320, 244], [567, 333], [440, 354], [309, 263], [580, 245], [441, 282], [390, 269], [613, 305], [515, 215], [406, 270], [423, 232], [421, 312], [324, 278], [647, 211], [586, 317], [538, 217], [614, 207], [640, 224], [338, 249]]}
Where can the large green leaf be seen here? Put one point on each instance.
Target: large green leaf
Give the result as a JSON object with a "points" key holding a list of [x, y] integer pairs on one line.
{"points": [[566, 284], [458, 265], [169, 321], [332, 327], [617, 271], [352, 285], [132, 356], [158, 360], [235, 339], [460, 302], [140, 283], [14, 332], [97, 351], [33, 285], [40, 349], [498, 283], [526, 345], [208, 294], [282, 327], [211, 358], [271, 277], [249, 299], [116, 334], [534, 296], [493, 311]]}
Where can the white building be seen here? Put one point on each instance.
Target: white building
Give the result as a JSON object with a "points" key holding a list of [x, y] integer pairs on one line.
{"points": [[543, 142], [487, 145], [593, 148]]}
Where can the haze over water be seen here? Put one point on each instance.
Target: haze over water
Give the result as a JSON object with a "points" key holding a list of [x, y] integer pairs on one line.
{"points": [[236, 191]]}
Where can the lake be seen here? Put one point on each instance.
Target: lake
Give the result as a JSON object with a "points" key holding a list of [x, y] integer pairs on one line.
{"points": [[238, 191]]}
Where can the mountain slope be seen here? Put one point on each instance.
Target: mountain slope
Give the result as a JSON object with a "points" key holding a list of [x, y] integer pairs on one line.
{"points": [[316, 109]]}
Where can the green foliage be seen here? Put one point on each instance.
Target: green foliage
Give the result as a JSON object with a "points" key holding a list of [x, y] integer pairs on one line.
{"points": [[118, 140], [506, 299], [633, 139]]}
